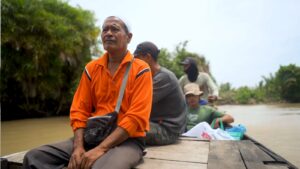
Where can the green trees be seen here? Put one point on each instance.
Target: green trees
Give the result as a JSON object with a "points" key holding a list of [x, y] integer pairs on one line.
{"points": [[44, 46], [283, 86], [288, 79], [172, 60]]}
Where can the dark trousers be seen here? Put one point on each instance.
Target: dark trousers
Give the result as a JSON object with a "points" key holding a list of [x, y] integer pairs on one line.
{"points": [[159, 135], [56, 156]]}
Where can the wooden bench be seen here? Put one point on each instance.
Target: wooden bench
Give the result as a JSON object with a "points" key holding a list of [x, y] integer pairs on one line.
{"points": [[191, 153]]}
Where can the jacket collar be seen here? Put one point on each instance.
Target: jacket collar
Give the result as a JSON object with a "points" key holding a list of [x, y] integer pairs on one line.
{"points": [[102, 61]]}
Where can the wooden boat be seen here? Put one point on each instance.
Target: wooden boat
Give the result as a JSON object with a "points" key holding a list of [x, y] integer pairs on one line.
{"points": [[193, 153]]}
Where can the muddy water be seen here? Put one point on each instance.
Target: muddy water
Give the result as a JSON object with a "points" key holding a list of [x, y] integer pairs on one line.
{"points": [[22, 135], [275, 126]]}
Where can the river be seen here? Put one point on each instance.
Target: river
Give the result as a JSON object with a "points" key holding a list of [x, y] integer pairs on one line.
{"points": [[275, 126]]}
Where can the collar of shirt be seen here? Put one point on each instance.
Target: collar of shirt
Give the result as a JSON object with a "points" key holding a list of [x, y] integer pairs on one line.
{"points": [[104, 58]]}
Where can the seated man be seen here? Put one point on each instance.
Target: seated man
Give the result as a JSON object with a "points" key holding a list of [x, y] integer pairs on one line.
{"points": [[198, 113], [168, 114], [97, 95]]}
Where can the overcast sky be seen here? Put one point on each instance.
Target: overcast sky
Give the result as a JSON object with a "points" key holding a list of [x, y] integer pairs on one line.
{"points": [[242, 40]]}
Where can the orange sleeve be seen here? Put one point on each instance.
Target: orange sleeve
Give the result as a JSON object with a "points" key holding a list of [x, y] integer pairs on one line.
{"points": [[81, 107], [136, 119]]}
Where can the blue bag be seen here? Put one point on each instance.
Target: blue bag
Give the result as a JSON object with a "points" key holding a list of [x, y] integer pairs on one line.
{"points": [[237, 131]]}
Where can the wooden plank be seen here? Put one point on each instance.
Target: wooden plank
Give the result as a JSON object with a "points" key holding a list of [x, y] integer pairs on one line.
{"points": [[276, 167], [255, 165], [184, 150], [192, 153], [224, 154], [272, 154], [252, 155], [192, 139], [165, 164], [251, 152]]}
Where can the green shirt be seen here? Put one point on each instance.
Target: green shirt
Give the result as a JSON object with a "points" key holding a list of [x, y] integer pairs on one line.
{"points": [[201, 114]]}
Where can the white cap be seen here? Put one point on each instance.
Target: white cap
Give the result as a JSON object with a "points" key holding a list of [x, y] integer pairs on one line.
{"points": [[192, 88]]}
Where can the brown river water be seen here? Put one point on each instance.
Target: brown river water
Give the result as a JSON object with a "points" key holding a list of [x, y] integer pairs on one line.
{"points": [[275, 126]]}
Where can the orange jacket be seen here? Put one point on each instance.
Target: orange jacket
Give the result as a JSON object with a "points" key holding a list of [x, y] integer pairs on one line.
{"points": [[98, 91]]}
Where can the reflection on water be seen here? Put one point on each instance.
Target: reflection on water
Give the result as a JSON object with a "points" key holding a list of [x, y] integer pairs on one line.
{"points": [[275, 126]]}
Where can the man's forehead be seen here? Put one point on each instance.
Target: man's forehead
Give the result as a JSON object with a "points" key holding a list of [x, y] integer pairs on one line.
{"points": [[113, 20]]}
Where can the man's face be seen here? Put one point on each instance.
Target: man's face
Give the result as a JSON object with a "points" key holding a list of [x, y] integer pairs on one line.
{"points": [[113, 35], [193, 100], [185, 67]]}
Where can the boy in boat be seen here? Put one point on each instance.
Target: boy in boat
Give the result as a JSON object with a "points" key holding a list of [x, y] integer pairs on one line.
{"points": [[199, 113]]}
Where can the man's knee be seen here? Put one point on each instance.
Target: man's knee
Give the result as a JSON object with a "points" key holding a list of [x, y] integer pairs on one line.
{"points": [[127, 155], [159, 135], [30, 156]]}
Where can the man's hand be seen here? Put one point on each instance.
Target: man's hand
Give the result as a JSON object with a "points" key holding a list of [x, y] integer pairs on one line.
{"points": [[212, 98], [217, 124], [78, 150], [90, 157], [76, 158]]}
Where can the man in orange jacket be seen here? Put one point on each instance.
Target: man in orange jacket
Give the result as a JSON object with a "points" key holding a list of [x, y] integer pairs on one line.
{"points": [[96, 95]]}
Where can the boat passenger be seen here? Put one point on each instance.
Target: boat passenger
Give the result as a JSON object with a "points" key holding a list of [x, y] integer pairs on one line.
{"points": [[97, 95], [169, 111], [204, 81], [199, 113]]}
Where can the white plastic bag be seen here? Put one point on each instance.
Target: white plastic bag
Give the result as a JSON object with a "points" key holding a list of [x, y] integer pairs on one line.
{"points": [[204, 131]]}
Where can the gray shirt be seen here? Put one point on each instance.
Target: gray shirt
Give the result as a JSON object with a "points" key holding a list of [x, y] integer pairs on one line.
{"points": [[205, 83], [168, 105]]}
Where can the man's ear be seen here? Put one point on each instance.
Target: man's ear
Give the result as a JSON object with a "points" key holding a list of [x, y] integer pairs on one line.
{"points": [[129, 37], [148, 56]]}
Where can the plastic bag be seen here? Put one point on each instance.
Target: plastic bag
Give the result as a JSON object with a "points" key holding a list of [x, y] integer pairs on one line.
{"points": [[204, 131], [236, 131]]}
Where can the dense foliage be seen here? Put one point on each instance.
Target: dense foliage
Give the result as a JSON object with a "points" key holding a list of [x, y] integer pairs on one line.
{"points": [[44, 46], [172, 60], [288, 79], [283, 86]]}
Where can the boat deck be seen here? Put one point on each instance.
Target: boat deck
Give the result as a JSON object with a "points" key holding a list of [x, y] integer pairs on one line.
{"points": [[192, 153]]}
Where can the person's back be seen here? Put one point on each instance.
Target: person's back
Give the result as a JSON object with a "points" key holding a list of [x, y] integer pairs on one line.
{"points": [[168, 114], [168, 106]]}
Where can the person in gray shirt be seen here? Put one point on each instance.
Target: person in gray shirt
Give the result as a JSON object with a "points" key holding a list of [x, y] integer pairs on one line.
{"points": [[169, 110], [205, 82]]}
